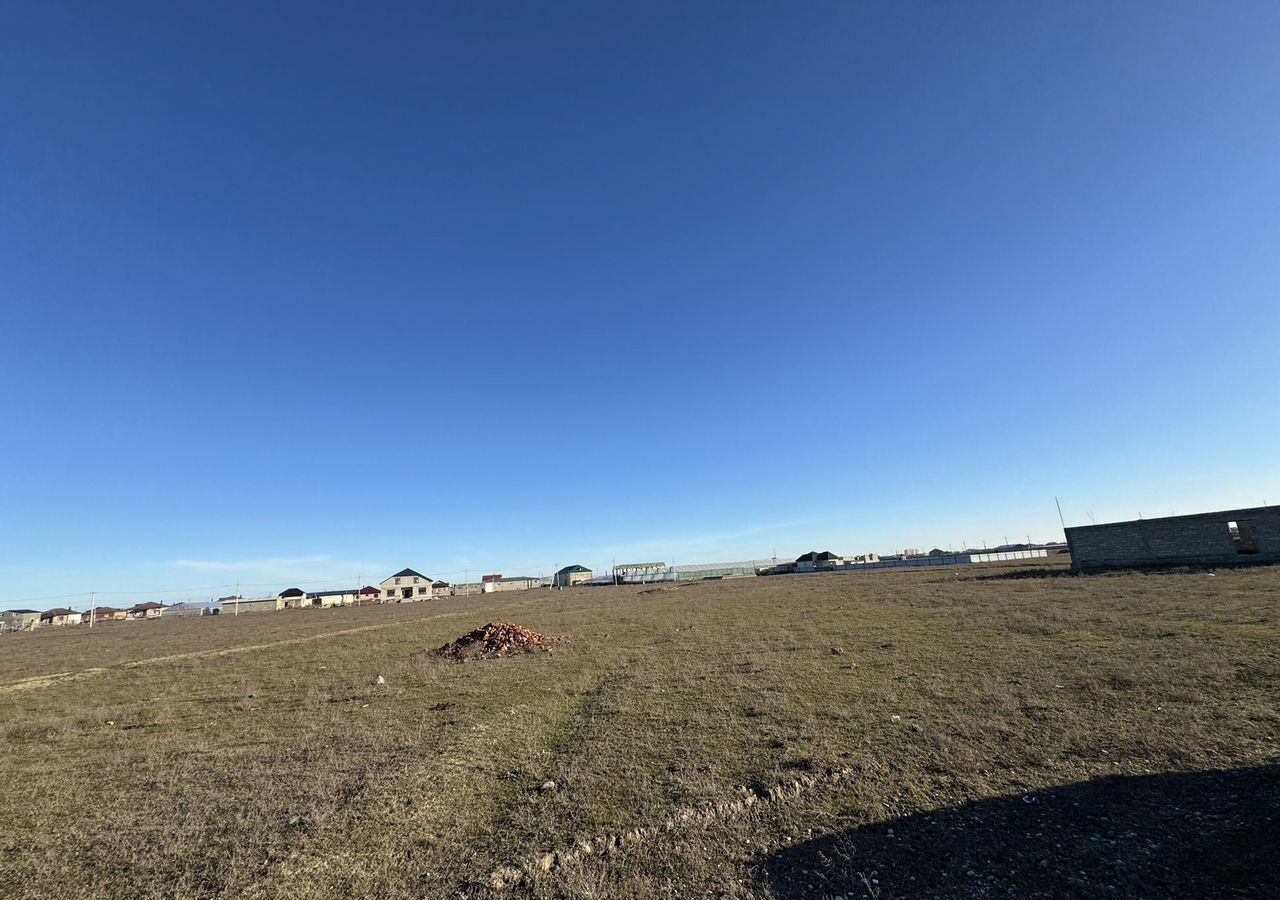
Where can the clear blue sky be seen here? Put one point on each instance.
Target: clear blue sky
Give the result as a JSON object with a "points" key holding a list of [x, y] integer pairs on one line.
{"points": [[295, 293]]}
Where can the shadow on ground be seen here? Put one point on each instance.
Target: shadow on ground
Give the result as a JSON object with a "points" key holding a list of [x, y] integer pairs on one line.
{"points": [[1199, 835], [1027, 572]]}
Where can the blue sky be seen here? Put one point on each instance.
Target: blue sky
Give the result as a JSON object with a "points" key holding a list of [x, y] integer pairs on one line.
{"points": [[297, 293]]}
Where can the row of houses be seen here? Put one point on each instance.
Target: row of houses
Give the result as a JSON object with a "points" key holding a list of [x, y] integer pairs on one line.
{"points": [[411, 586], [405, 586], [26, 619]]}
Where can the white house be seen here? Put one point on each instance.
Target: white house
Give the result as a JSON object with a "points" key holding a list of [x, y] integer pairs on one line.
{"points": [[406, 586], [513, 583]]}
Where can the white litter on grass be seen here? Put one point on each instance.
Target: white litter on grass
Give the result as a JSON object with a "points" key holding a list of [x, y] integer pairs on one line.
{"points": [[380, 680]]}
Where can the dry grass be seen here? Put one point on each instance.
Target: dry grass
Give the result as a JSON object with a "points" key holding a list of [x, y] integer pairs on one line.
{"points": [[165, 766]]}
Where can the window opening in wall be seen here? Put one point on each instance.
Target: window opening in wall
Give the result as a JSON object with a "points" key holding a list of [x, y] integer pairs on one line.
{"points": [[1242, 536]]}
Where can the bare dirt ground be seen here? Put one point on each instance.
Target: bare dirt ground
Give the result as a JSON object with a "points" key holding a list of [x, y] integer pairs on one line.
{"points": [[977, 732]]}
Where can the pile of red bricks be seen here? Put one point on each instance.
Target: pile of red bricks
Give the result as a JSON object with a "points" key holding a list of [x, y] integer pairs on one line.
{"points": [[497, 639]]}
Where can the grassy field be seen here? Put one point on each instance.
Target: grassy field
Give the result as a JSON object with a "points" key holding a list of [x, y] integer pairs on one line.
{"points": [[977, 732]]}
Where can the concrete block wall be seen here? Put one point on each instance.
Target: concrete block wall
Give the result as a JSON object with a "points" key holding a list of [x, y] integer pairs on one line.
{"points": [[1202, 539]]}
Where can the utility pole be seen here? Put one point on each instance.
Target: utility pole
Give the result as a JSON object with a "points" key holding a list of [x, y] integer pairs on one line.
{"points": [[93, 607]]}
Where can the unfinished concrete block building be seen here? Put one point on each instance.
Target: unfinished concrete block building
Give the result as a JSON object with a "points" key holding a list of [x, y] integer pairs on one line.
{"points": [[1230, 537]]}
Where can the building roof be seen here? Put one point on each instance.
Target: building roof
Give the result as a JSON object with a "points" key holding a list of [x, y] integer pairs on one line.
{"points": [[233, 598], [403, 573], [567, 570], [59, 611], [436, 584], [293, 592], [719, 566], [330, 593], [518, 578], [25, 612], [651, 565], [103, 611], [815, 556], [369, 589], [143, 607]]}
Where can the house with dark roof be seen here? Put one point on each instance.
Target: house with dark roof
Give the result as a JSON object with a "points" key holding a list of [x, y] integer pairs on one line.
{"points": [[101, 614], [406, 586], [817, 561], [59, 616], [368, 594], [439, 589], [571, 575], [148, 610], [293, 598]]}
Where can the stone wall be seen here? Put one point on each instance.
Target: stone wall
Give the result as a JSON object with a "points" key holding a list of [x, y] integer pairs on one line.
{"points": [[1203, 539]]}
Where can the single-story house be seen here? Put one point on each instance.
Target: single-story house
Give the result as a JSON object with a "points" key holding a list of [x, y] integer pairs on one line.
{"points": [[148, 610], [368, 594], [327, 599], [513, 583], [293, 598], [406, 586], [59, 616], [233, 606], [101, 614], [571, 575], [439, 589], [188, 608], [19, 619]]}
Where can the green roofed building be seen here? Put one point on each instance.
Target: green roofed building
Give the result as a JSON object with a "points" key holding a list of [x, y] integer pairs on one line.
{"points": [[571, 575]]}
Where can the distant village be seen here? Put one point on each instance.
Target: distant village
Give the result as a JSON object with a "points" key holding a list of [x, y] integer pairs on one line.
{"points": [[411, 586], [1228, 537]]}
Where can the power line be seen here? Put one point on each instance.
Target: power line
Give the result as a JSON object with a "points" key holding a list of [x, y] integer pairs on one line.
{"points": [[41, 599]]}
